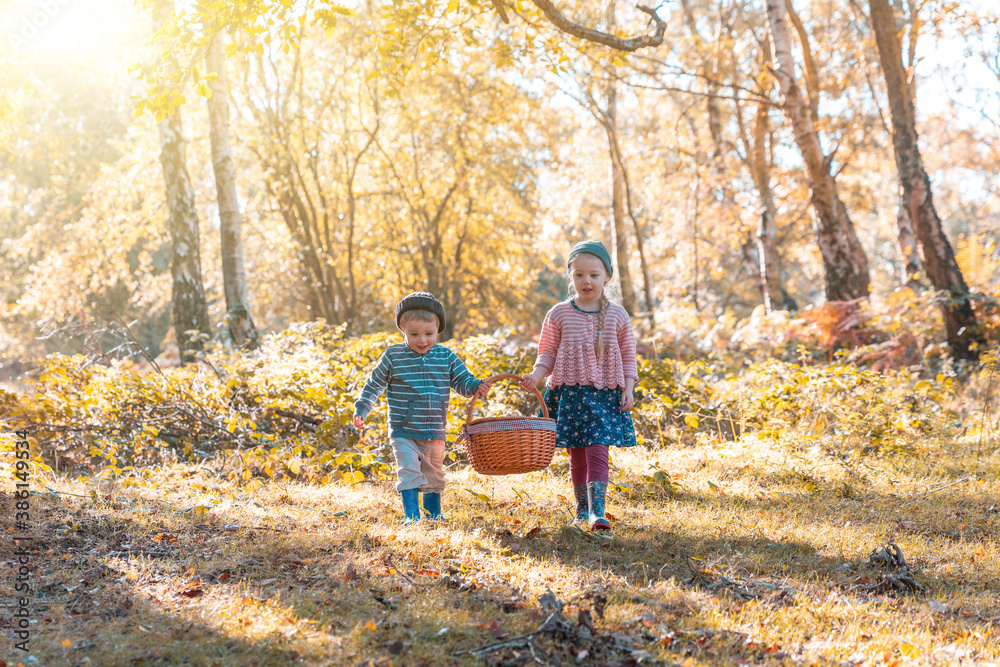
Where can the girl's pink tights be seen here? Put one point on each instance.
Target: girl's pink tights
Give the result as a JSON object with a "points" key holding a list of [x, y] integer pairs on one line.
{"points": [[588, 464]]}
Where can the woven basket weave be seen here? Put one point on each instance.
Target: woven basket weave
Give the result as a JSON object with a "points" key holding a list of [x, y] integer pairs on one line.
{"points": [[509, 445]]}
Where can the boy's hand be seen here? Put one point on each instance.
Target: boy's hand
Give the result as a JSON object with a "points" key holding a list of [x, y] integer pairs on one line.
{"points": [[530, 381], [359, 422], [484, 388]]}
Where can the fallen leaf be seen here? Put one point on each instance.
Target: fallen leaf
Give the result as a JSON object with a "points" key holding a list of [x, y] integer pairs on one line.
{"points": [[496, 629], [481, 496], [534, 532]]}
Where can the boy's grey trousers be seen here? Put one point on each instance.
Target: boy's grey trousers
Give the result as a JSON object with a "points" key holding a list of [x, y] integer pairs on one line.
{"points": [[419, 464]]}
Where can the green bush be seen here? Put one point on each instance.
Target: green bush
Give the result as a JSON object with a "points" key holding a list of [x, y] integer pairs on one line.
{"points": [[284, 411]]}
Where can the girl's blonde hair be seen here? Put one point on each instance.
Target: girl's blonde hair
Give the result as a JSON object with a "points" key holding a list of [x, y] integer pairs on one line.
{"points": [[602, 313]]}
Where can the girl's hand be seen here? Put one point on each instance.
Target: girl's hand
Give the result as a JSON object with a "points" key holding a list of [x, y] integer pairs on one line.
{"points": [[628, 400], [484, 388], [359, 422], [530, 381]]}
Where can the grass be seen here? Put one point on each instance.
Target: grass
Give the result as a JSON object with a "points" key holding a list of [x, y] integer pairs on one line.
{"points": [[755, 553]]}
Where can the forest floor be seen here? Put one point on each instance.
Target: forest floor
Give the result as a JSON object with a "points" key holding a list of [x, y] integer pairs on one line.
{"points": [[750, 554]]}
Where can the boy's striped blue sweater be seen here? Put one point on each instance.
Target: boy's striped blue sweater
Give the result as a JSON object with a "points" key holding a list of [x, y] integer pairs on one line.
{"points": [[418, 389]]}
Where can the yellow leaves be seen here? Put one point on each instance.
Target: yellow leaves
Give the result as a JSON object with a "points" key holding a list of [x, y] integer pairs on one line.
{"points": [[197, 511], [480, 496], [350, 478]]}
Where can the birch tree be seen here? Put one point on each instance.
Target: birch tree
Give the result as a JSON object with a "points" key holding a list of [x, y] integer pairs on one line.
{"points": [[242, 330], [757, 159], [190, 310], [618, 193], [939, 258], [844, 261]]}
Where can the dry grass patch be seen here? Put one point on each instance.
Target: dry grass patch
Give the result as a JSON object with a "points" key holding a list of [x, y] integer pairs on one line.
{"points": [[754, 552]]}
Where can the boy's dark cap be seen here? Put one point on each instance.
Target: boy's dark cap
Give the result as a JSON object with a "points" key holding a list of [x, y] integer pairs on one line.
{"points": [[421, 301]]}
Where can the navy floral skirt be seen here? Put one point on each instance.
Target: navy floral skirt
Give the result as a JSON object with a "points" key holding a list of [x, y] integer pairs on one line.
{"points": [[587, 415]]}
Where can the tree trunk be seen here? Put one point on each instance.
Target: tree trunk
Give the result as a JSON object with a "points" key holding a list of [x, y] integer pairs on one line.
{"points": [[616, 158], [242, 330], [751, 262], [775, 296], [908, 248], [647, 282], [939, 258], [812, 76], [190, 311], [618, 193], [844, 261]]}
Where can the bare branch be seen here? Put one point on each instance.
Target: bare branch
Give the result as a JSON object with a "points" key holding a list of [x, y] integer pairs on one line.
{"points": [[630, 44], [498, 5]]}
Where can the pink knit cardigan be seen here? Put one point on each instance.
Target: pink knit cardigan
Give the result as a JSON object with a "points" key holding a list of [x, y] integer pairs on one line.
{"points": [[566, 347]]}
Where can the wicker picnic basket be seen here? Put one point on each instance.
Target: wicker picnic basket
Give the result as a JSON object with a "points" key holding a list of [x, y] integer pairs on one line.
{"points": [[509, 445]]}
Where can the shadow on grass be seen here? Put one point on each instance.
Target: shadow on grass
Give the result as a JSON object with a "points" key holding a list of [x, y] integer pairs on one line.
{"points": [[748, 537], [86, 610], [133, 588]]}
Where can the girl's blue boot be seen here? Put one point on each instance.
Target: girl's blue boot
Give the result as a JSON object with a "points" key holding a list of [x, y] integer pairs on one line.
{"points": [[432, 505], [411, 505], [582, 505], [596, 491]]}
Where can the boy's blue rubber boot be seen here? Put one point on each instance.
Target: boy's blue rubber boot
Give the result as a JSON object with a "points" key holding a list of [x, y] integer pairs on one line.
{"points": [[432, 505], [411, 505]]}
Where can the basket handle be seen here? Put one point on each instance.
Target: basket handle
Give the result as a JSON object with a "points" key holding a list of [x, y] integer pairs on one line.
{"points": [[510, 376]]}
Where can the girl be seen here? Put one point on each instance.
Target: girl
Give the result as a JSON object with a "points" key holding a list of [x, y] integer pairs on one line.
{"points": [[587, 350]]}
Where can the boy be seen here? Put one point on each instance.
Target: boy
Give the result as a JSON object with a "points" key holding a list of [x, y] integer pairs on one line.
{"points": [[419, 376]]}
